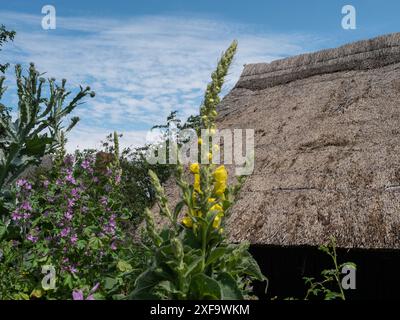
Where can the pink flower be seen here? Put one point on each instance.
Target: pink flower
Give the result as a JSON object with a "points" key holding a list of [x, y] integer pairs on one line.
{"points": [[74, 238], [69, 178], [16, 216], [64, 232], [77, 295], [32, 238], [26, 206], [68, 215]]}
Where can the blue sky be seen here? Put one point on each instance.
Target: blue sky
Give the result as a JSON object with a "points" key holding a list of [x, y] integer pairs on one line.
{"points": [[147, 58]]}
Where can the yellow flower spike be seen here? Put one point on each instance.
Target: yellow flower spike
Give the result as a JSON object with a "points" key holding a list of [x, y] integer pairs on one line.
{"points": [[200, 141], [187, 222], [196, 184], [195, 168]]}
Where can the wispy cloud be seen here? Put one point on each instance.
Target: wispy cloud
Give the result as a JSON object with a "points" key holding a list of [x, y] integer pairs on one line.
{"points": [[141, 69]]}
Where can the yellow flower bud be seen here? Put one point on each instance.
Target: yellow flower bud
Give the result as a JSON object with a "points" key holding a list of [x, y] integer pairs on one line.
{"points": [[196, 184], [214, 113], [216, 207], [217, 220], [187, 222], [219, 188], [210, 156], [200, 141], [220, 174], [215, 147], [211, 200], [195, 168]]}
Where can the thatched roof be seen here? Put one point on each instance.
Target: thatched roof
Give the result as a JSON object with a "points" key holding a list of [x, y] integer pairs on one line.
{"points": [[327, 147], [327, 154]]}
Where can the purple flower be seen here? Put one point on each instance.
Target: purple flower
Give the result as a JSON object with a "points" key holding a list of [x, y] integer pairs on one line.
{"points": [[103, 201], [16, 215], [75, 192], [72, 269], [26, 206], [74, 238], [113, 246], [46, 183], [85, 164], [69, 178], [21, 182], [77, 295], [68, 215], [71, 203], [32, 238], [65, 232]]}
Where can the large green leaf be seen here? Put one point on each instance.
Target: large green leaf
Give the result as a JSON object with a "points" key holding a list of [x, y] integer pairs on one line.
{"points": [[36, 146], [203, 287], [144, 285], [229, 287], [252, 268]]}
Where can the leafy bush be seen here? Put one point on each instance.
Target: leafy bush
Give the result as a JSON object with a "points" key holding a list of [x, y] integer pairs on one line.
{"points": [[70, 219], [25, 141], [192, 258]]}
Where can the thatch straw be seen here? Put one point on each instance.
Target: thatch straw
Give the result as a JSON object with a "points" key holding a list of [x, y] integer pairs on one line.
{"points": [[361, 55]]}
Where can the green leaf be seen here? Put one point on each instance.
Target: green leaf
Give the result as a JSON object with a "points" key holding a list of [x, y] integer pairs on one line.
{"points": [[216, 254], [229, 287], [194, 266], [124, 266], [95, 243], [203, 287], [252, 268], [36, 146], [144, 285], [109, 283]]}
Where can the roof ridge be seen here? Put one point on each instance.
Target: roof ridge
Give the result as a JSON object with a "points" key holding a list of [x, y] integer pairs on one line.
{"points": [[361, 55]]}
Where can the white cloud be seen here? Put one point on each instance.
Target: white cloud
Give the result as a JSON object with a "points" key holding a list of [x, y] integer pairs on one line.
{"points": [[141, 69]]}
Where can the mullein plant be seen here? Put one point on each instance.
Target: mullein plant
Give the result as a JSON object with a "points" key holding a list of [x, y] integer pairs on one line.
{"points": [[192, 258]]}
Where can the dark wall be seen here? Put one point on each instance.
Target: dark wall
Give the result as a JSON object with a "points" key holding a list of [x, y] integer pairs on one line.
{"points": [[377, 275]]}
